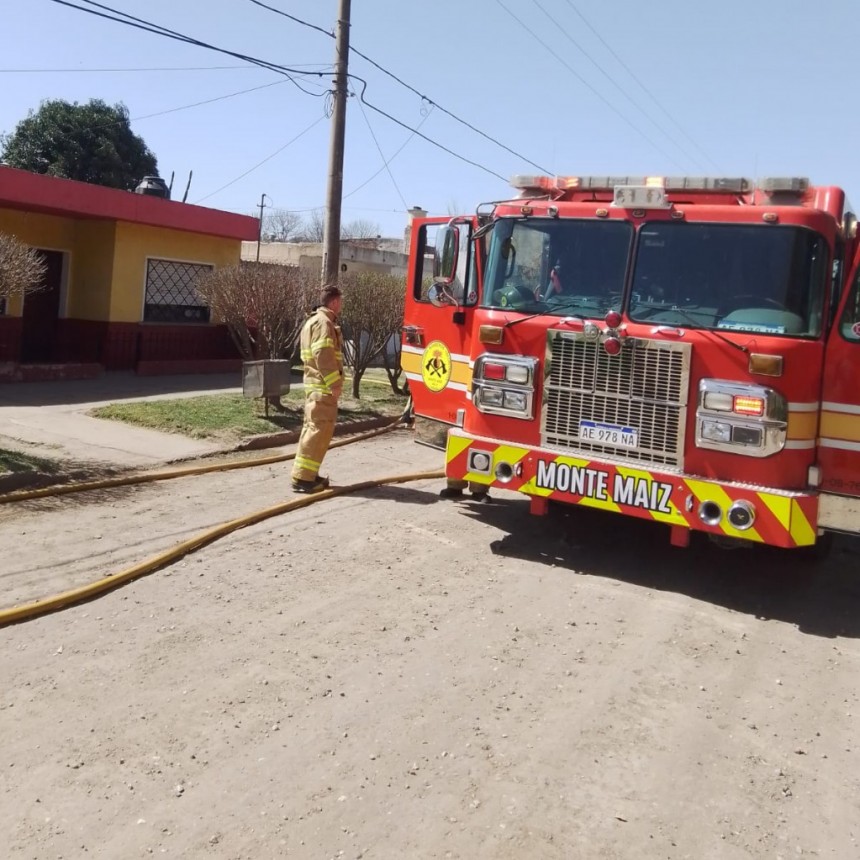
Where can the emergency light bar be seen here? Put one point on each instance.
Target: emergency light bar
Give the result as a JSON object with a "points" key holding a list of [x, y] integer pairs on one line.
{"points": [[711, 184], [791, 184]]}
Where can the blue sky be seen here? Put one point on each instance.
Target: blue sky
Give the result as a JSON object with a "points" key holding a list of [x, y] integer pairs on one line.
{"points": [[753, 88]]}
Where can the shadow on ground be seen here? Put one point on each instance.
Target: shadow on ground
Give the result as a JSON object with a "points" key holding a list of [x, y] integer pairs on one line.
{"points": [[821, 599], [52, 473], [114, 386]]}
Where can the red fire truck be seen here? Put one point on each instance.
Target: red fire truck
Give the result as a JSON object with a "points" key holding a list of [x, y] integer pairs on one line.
{"points": [[684, 350]]}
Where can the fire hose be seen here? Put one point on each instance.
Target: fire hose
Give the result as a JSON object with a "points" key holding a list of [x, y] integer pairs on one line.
{"points": [[27, 611]]}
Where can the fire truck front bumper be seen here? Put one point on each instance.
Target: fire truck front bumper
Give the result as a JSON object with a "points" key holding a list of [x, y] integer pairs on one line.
{"points": [[760, 514]]}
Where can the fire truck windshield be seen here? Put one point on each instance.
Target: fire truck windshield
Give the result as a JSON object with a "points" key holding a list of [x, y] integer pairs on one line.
{"points": [[764, 279], [558, 266]]}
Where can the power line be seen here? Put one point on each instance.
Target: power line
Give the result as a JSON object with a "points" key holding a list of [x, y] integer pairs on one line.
{"points": [[245, 66], [424, 136], [279, 82], [396, 153], [372, 177], [208, 101], [294, 18], [614, 83], [585, 83], [140, 24], [280, 149], [641, 85], [403, 83], [385, 163], [161, 31]]}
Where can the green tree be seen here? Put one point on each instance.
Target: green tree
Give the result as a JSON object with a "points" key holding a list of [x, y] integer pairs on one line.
{"points": [[90, 142]]}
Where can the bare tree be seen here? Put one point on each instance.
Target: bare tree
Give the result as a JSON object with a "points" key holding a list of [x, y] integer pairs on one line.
{"points": [[313, 229], [281, 225], [262, 305], [360, 229], [22, 269], [372, 317]]}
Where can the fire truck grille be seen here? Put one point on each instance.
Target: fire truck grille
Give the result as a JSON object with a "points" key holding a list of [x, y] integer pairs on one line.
{"points": [[643, 390]]}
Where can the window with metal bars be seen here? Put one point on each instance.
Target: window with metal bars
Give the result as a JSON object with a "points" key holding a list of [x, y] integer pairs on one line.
{"points": [[170, 293]]}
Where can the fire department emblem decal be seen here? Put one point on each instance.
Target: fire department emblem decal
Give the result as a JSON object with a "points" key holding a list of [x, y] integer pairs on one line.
{"points": [[436, 366]]}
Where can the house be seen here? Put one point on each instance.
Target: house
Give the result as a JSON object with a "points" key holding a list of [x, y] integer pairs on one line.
{"points": [[385, 256], [119, 291]]}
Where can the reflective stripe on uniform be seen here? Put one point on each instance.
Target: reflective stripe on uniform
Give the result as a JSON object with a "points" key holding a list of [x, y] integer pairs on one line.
{"points": [[307, 463], [322, 343]]}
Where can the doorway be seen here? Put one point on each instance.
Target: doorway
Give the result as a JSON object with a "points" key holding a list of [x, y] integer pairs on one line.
{"points": [[41, 311]]}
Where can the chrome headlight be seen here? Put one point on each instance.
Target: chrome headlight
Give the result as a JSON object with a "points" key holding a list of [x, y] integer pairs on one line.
{"points": [[741, 419], [504, 385]]}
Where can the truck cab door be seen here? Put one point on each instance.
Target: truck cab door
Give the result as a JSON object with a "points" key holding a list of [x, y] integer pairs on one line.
{"points": [[441, 296], [839, 429]]}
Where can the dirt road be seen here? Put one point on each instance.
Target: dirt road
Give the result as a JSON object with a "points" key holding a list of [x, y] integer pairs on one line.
{"points": [[388, 675]]}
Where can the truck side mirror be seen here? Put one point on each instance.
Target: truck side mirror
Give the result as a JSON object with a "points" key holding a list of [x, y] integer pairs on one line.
{"points": [[446, 255]]}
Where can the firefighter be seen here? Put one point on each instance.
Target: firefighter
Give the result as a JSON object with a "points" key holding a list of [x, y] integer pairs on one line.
{"points": [[322, 356]]}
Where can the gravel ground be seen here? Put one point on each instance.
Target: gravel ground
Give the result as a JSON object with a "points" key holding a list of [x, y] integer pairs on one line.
{"points": [[388, 675]]}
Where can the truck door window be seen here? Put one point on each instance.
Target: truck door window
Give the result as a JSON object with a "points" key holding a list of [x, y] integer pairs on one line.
{"points": [[849, 326], [463, 288]]}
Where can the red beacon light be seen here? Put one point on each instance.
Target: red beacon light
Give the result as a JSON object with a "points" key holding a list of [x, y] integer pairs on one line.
{"points": [[612, 345], [613, 319]]}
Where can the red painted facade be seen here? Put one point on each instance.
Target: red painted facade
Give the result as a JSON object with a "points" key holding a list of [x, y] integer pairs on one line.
{"points": [[31, 192]]}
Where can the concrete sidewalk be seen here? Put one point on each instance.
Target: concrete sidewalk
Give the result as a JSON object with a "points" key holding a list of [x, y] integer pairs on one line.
{"points": [[48, 419]]}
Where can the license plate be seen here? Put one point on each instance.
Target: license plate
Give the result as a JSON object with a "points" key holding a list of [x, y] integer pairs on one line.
{"points": [[609, 434]]}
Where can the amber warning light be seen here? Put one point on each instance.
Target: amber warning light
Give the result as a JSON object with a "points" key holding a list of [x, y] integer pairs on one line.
{"points": [[748, 405]]}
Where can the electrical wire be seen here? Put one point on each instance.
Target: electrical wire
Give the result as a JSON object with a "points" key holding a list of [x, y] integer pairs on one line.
{"points": [[588, 86], [403, 83], [385, 162], [642, 86], [111, 124], [279, 82], [140, 24], [430, 140], [396, 153], [293, 18], [280, 149], [245, 66], [146, 26], [560, 27]]}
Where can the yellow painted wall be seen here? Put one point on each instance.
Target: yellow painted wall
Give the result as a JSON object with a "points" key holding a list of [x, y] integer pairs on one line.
{"points": [[39, 231], [136, 243], [91, 270], [107, 259]]}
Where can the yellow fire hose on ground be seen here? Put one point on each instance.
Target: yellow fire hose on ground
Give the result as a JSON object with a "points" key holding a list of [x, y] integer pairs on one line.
{"points": [[26, 611], [179, 472]]}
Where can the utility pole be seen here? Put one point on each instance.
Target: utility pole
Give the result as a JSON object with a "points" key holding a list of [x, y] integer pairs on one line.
{"points": [[261, 207], [331, 242]]}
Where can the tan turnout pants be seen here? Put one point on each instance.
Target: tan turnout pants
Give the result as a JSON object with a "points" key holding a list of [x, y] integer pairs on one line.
{"points": [[317, 430]]}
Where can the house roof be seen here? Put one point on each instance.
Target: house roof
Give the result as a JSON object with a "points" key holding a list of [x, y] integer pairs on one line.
{"points": [[33, 192]]}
